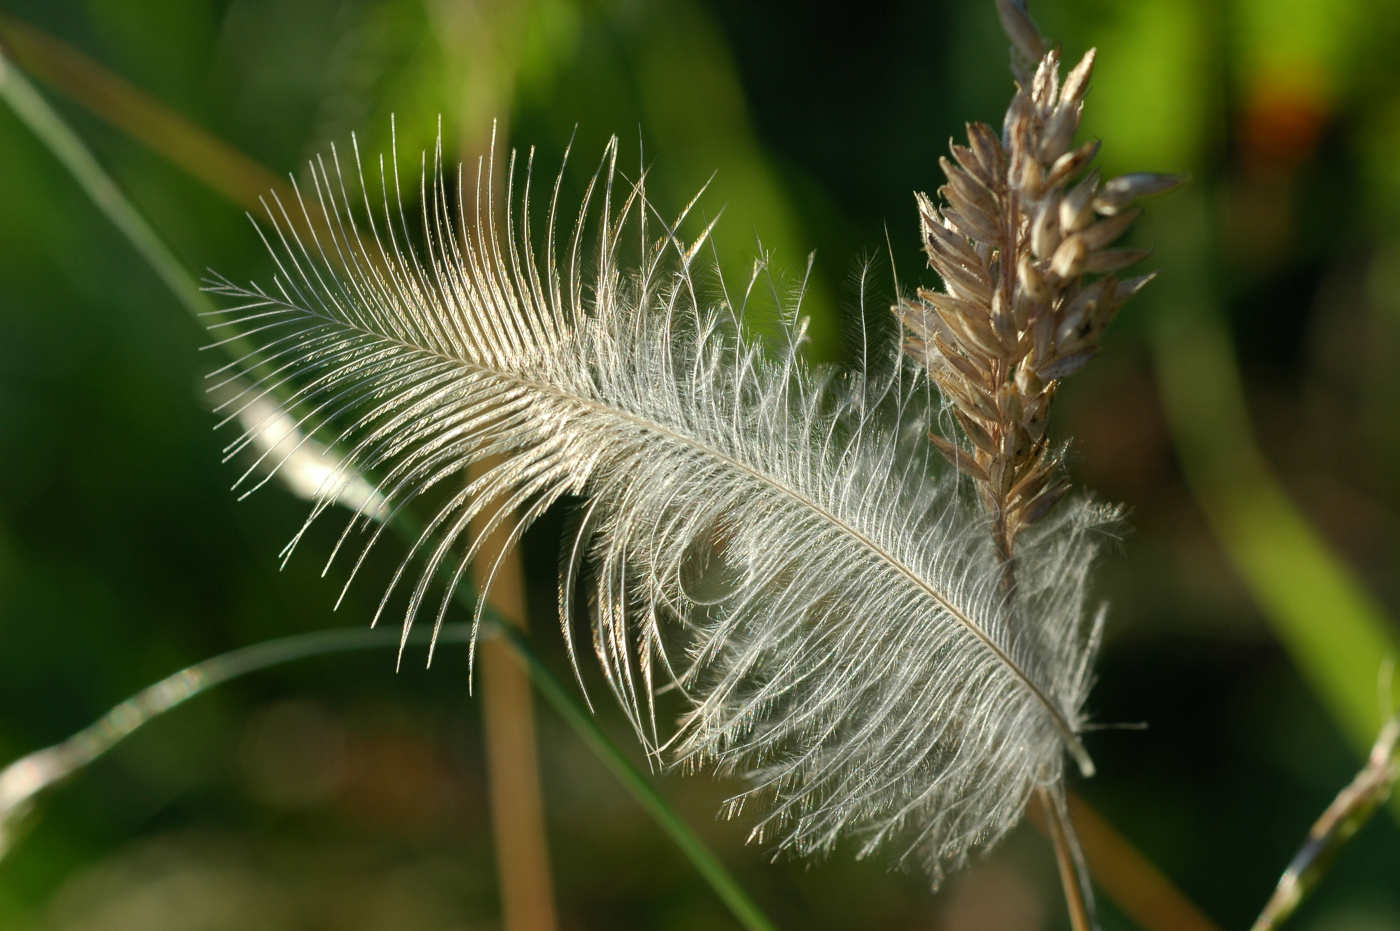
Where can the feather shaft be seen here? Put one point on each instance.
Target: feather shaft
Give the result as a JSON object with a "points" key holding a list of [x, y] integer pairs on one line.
{"points": [[767, 543]]}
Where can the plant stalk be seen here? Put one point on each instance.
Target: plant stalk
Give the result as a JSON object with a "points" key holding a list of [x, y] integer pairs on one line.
{"points": [[24, 780], [513, 771], [1065, 860], [512, 750]]}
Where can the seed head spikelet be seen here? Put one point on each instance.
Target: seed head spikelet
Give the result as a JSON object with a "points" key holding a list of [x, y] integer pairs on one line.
{"points": [[1022, 239], [1023, 242], [779, 545]]}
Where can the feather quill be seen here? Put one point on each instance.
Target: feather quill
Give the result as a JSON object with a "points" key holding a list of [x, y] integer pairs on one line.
{"points": [[775, 543]]}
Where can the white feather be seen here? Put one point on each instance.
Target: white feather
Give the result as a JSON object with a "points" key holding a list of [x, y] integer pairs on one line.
{"points": [[772, 541]]}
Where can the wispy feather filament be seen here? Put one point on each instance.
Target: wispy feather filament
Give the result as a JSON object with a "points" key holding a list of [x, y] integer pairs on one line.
{"points": [[775, 542]]}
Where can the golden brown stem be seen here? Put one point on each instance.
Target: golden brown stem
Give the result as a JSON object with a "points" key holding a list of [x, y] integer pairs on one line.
{"points": [[1141, 890], [1064, 858], [1059, 831], [1136, 886], [478, 37], [474, 33], [517, 808], [141, 116], [1002, 540]]}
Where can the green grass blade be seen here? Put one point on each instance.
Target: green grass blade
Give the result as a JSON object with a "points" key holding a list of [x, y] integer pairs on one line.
{"points": [[157, 127], [65, 145], [586, 726], [24, 780]]}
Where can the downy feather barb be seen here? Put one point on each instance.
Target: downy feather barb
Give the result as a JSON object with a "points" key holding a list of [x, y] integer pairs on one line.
{"points": [[777, 545]]}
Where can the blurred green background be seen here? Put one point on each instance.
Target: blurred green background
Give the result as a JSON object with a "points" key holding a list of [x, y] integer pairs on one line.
{"points": [[1247, 411]]}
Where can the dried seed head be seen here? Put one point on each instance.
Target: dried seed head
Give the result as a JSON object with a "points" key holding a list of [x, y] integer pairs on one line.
{"points": [[1045, 228], [1067, 365], [1120, 192], [1033, 414], [966, 365], [1106, 231], [1130, 286], [1015, 444], [1059, 132], [963, 461], [1021, 29], [1031, 179], [1068, 260], [1009, 401], [1071, 164], [1031, 281], [1043, 337], [1029, 484], [1018, 239], [980, 438], [1076, 210], [1077, 81], [984, 143], [1045, 86], [970, 163], [973, 226], [1027, 382], [1039, 506], [968, 189], [1084, 302], [1112, 260]]}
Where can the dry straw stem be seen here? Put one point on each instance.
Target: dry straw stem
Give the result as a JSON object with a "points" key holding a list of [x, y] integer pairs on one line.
{"points": [[1141, 891], [1069, 860], [517, 802], [1351, 809], [508, 719], [161, 129], [1023, 240]]}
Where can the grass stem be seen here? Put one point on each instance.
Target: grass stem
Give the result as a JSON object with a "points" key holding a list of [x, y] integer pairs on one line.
{"points": [[1065, 860], [24, 780]]}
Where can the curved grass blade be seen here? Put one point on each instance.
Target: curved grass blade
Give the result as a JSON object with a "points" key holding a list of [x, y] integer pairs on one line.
{"points": [[26, 779], [1347, 814]]}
